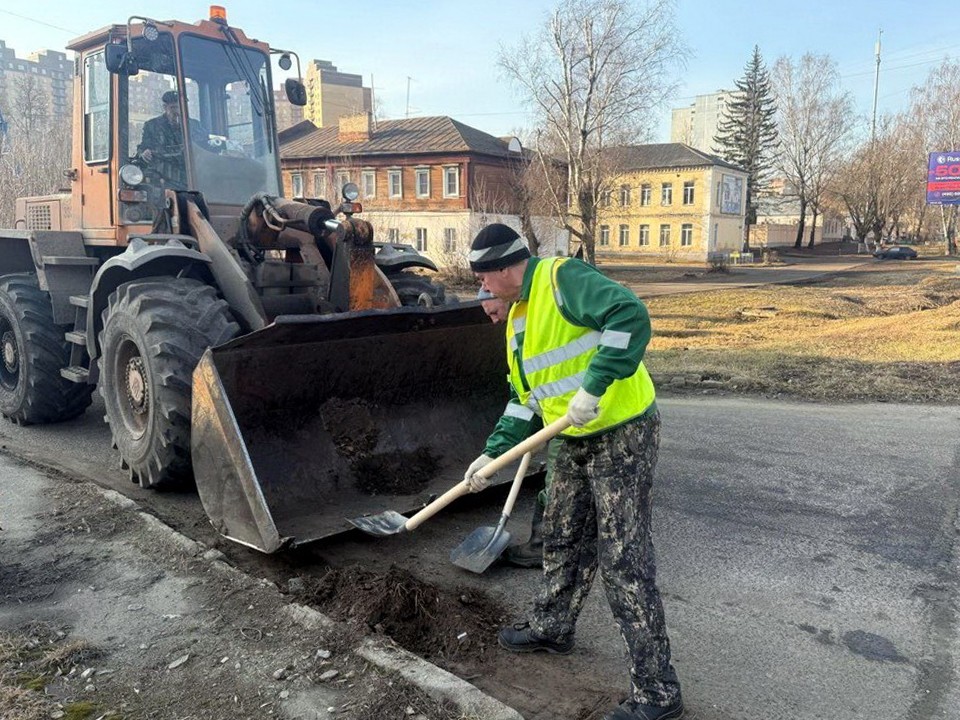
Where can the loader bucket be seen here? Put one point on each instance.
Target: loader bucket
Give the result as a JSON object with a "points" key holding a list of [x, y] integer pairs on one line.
{"points": [[316, 419]]}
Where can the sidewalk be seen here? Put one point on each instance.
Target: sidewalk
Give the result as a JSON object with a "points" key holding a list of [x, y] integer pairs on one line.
{"points": [[105, 612]]}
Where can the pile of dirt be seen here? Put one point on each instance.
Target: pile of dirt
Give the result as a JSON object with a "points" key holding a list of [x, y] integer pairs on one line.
{"points": [[442, 626], [395, 473]]}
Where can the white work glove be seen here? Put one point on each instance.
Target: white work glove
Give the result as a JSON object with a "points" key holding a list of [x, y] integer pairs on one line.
{"points": [[474, 481], [583, 408]]}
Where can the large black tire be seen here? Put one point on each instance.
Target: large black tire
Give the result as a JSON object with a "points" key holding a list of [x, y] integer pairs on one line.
{"points": [[32, 352], [413, 289], [154, 332]]}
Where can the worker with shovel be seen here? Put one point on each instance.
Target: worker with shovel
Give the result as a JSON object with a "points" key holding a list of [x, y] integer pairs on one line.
{"points": [[530, 553], [575, 347]]}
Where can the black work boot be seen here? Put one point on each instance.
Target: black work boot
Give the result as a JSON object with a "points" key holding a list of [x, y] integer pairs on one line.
{"points": [[520, 637], [530, 553], [631, 710]]}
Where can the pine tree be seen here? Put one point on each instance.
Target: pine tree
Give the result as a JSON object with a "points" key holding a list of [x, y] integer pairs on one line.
{"points": [[747, 134]]}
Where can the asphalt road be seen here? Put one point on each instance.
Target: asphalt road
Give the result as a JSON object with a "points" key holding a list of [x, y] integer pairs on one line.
{"points": [[807, 555]]}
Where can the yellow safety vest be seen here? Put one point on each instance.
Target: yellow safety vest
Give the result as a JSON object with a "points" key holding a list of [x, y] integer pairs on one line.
{"points": [[549, 369]]}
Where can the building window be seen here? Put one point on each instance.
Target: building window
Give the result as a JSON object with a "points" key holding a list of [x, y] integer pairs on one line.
{"points": [[605, 198], [604, 235], [422, 239], [688, 193], [343, 177], [395, 183], [666, 194], [644, 235], [368, 184], [664, 235], [96, 109], [296, 184], [320, 183], [451, 182], [624, 195], [644, 194], [686, 234], [624, 235], [449, 240], [393, 235], [423, 182]]}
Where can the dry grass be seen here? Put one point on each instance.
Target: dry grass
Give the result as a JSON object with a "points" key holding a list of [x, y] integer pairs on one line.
{"points": [[884, 335]]}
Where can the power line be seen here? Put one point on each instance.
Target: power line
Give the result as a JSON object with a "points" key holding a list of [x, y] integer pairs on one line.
{"points": [[40, 22]]}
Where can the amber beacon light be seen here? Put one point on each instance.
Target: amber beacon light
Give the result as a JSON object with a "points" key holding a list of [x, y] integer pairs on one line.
{"points": [[218, 13]]}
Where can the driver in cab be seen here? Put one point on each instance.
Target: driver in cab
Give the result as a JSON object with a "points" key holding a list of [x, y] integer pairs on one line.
{"points": [[161, 146]]}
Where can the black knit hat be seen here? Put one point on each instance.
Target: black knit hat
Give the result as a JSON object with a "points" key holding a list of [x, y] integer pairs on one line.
{"points": [[170, 97], [496, 246]]}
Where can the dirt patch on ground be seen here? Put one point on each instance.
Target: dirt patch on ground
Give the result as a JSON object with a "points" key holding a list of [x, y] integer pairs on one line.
{"points": [[395, 473], [444, 627]]}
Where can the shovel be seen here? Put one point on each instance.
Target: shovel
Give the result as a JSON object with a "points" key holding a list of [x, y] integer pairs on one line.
{"points": [[484, 545], [392, 522]]}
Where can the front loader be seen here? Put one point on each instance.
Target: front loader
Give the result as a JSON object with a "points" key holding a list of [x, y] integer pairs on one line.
{"points": [[266, 347]]}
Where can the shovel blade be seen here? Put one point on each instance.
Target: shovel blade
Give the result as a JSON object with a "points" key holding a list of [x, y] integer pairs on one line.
{"points": [[480, 549], [382, 524]]}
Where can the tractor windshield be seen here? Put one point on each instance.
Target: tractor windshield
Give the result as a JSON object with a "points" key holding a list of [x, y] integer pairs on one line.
{"points": [[233, 148]]}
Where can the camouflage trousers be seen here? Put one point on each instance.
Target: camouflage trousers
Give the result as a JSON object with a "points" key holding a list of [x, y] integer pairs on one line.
{"points": [[598, 515]]}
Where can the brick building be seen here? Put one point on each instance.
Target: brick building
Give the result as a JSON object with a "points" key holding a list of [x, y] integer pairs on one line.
{"points": [[47, 75], [431, 182]]}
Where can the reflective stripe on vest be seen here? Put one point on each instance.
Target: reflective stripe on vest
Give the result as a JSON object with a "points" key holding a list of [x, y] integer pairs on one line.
{"points": [[555, 355]]}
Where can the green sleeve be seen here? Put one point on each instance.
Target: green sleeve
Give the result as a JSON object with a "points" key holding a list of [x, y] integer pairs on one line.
{"points": [[510, 431], [592, 300]]}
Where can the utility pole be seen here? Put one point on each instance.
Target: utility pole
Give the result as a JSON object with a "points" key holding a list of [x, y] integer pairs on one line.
{"points": [[876, 87]]}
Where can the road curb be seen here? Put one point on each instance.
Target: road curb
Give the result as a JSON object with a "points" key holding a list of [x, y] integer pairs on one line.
{"points": [[381, 652]]}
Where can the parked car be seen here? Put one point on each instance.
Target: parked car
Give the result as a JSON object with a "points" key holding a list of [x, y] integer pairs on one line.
{"points": [[896, 253]]}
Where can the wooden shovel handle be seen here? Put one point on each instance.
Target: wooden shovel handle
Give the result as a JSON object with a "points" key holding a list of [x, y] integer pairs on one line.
{"points": [[515, 488], [462, 488]]}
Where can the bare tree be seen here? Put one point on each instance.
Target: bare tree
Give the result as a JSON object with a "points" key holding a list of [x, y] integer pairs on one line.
{"points": [[30, 106], [814, 121], [593, 76], [30, 167], [936, 109]]}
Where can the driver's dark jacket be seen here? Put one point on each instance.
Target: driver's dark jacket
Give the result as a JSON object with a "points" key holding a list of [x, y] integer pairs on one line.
{"points": [[166, 142]]}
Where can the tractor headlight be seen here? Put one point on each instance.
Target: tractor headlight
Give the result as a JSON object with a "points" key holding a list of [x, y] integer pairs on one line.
{"points": [[131, 175]]}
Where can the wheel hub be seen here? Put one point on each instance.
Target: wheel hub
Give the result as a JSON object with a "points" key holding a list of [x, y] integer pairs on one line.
{"points": [[137, 394], [11, 359]]}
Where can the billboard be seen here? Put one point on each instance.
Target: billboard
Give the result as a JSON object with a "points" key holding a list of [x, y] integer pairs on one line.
{"points": [[731, 195], [943, 178]]}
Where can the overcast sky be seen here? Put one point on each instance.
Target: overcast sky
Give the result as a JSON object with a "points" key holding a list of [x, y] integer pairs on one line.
{"points": [[448, 48]]}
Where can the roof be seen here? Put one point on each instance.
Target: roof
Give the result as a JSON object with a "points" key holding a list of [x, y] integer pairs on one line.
{"points": [[665, 155], [407, 136]]}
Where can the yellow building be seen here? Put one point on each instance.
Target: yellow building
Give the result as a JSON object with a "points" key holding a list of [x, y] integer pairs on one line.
{"points": [[671, 202], [332, 94]]}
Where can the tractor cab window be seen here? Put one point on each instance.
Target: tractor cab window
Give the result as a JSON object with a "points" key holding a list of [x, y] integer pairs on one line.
{"points": [[96, 109], [230, 111]]}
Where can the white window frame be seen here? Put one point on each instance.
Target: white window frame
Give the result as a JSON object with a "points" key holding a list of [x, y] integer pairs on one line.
{"points": [[624, 196], [686, 235], [449, 240], [451, 172], [421, 241], [666, 193], [664, 236], [393, 235], [296, 184], [644, 235], [604, 235], [343, 177], [395, 174], [365, 176], [624, 235], [688, 186], [419, 173], [646, 191], [320, 183]]}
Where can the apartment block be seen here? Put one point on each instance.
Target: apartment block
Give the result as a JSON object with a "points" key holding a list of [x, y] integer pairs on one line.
{"points": [[332, 94], [40, 84], [697, 125]]}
